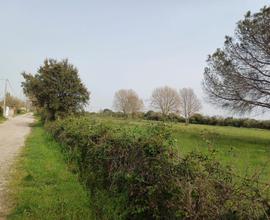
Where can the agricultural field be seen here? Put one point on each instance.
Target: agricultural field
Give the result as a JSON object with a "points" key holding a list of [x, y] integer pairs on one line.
{"points": [[246, 150]]}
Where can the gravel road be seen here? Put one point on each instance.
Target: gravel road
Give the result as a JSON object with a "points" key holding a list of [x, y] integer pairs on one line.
{"points": [[12, 136]]}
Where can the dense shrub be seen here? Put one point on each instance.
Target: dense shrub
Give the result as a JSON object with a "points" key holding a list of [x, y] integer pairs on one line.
{"points": [[157, 116], [137, 169], [235, 122], [131, 162]]}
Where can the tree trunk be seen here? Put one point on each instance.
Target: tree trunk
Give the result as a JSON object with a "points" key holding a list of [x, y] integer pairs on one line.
{"points": [[187, 121]]}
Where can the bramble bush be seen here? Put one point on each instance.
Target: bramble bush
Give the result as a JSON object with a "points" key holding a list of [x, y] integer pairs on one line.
{"points": [[134, 173]]}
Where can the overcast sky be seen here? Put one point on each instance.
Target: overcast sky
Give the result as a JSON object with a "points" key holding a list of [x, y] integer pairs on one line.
{"points": [[115, 44]]}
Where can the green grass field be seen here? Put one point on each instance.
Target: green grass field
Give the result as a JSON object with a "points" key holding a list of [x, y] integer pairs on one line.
{"points": [[43, 186], [246, 150]]}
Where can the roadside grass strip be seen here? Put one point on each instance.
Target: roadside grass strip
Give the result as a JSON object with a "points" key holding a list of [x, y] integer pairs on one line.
{"points": [[43, 187]]}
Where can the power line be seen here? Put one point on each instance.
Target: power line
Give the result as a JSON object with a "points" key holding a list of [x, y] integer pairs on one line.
{"points": [[10, 87]]}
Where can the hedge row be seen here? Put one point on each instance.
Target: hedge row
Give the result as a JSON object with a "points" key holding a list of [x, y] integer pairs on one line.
{"points": [[198, 119], [134, 173], [235, 122]]}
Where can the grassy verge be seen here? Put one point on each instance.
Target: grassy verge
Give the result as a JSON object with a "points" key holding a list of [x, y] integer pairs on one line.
{"points": [[44, 188]]}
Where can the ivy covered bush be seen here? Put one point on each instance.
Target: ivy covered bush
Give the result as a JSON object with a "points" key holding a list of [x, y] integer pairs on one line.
{"points": [[134, 173]]}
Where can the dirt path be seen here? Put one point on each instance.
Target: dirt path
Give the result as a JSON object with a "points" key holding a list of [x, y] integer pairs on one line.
{"points": [[12, 136]]}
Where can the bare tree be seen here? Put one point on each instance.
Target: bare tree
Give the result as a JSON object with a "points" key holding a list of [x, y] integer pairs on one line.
{"points": [[127, 101], [237, 77], [13, 101], [189, 103], [165, 99]]}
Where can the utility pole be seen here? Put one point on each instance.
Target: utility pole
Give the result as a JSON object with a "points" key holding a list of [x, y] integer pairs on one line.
{"points": [[5, 96]]}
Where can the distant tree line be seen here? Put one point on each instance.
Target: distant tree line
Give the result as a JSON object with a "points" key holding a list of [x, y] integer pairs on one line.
{"points": [[194, 119], [230, 121]]}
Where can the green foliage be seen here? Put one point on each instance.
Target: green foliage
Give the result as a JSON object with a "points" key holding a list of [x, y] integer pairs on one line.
{"points": [[235, 122], [210, 191], [127, 162], [56, 89], [2, 119], [246, 149], [42, 185], [237, 76], [136, 169], [157, 116], [20, 111], [1, 115]]}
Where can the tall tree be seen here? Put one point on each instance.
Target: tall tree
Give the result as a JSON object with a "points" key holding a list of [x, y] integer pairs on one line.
{"points": [[165, 99], [189, 103], [56, 88], [237, 77], [127, 101]]}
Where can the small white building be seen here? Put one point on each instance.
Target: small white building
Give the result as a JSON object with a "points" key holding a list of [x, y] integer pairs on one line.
{"points": [[10, 112]]}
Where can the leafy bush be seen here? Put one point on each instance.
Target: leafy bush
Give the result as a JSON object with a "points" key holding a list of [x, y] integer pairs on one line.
{"points": [[139, 176], [235, 122], [157, 116], [132, 162]]}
